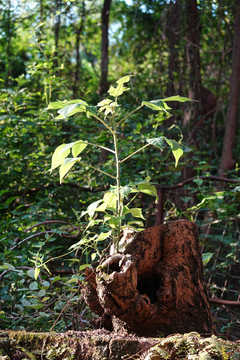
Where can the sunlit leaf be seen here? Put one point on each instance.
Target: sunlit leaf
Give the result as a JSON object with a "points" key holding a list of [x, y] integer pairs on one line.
{"points": [[147, 188], [104, 102], [120, 88], [66, 166], [36, 272], [125, 191], [176, 149], [58, 156], [136, 212], [104, 236], [157, 105], [110, 199], [78, 147], [72, 109], [177, 98]]}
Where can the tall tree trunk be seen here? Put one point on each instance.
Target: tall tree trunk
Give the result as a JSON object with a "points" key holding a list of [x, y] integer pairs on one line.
{"points": [[56, 34], [103, 84], [197, 112], [79, 30], [173, 23], [227, 162], [9, 36], [193, 60]]}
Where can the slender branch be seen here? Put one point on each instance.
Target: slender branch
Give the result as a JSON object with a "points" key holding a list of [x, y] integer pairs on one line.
{"points": [[135, 152], [99, 119], [102, 147], [101, 171], [42, 233], [129, 115], [214, 178]]}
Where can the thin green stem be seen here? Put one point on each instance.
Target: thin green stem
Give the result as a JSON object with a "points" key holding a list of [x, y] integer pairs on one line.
{"points": [[119, 205], [135, 152], [100, 146], [129, 115], [103, 122], [101, 171]]}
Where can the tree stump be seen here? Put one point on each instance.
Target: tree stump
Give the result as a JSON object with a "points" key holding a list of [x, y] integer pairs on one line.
{"points": [[155, 286]]}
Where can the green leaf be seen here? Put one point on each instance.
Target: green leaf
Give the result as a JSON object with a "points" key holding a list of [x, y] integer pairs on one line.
{"points": [[93, 256], [125, 191], [206, 257], [104, 102], [83, 267], [58, 158], [186, 198], [156, 142], [31, 273], [91, 110], [78, 147], [157, 105], [66, 166], [104, 236], [72, 109], [36, 272], [136, 212], [198, 181], [176, 149], [120, 88], [25, 302], [113, 221], [9, 266], [33, 285], [147, 188], [177, 98], [110, 199], [41, 293]]}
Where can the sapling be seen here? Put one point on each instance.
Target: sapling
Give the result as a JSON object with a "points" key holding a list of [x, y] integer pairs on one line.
{"points": [[115, 204]]}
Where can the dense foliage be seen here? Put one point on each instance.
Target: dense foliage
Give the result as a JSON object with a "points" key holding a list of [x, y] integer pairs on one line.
{"points": [[50, 51]]}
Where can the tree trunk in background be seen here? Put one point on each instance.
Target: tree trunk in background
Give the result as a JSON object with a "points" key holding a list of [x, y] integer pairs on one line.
{"points": [[193, 60], [78, 30], [196, 113], [9, 37], [173, 23], [56, 34], [155, 285], [103, 84], [227, 162]]}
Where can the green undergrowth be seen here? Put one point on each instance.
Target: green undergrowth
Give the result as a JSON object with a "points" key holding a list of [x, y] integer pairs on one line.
{"points": [[193, 347], [51, 346]]}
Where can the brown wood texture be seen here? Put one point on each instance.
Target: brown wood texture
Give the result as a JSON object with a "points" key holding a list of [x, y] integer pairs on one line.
{"points": [[155, 286]]}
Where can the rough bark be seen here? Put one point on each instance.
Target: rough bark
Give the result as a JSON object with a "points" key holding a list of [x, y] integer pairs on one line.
{"points": [[155, 285], [227, 162], [78, 30], [104, 85], [173, 23], [195, 113]]}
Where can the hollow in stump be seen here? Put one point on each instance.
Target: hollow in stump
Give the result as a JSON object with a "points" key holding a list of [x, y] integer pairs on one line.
{"points": [[155, 286]]}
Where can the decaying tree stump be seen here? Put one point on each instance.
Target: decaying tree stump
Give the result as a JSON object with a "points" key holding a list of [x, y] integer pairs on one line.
{"points": [[154, 286]]}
